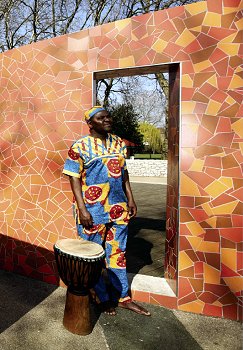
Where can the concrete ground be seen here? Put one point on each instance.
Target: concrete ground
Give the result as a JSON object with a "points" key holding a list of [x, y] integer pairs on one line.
{"points": [[31, 319]]}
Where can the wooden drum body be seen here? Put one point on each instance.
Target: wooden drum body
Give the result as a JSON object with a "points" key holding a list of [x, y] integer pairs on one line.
{"points": [[79, 264]]}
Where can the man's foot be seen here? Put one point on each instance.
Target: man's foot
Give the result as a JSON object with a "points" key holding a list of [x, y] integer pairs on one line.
{"points": [[130, 305], [107, 308]]}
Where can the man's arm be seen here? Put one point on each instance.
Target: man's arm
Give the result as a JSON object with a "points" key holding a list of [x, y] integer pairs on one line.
{"points": [[128, 191], [85, 217]]}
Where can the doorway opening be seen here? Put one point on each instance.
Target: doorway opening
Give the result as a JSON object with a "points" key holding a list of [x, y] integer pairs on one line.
{"points": [[145, 93]]}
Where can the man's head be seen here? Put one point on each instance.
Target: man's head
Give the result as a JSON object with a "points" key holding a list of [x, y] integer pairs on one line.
{"points": [[98, 120]]}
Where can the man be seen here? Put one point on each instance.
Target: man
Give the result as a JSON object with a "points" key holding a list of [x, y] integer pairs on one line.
{"points": [[104, 203]]}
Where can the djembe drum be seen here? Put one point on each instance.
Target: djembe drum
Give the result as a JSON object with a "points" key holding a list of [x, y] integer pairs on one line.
{"points": [[79, 264]]}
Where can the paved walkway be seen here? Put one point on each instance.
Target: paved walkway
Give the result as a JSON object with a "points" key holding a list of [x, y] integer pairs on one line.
{"points": [[31, 319]]}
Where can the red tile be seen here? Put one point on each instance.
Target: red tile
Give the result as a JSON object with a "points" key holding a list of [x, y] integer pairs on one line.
{"points": [[198, 214], [218, 290], [187, 299], [215, 173], [238, 194], [224, 125], [222, 199], [233, 172], [187, 202], [200, 178], [234, 234], [199, 267], [162, 300], [193, 47], [239, 261], [212, 310], [231, 3], [237, 220], [185, 287], [230, 311], [215, 6], [227, 272], [203, 135], [208, 297]]}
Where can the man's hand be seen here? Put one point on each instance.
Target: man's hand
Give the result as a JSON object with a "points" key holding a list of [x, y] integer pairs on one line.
{"points": [[132, 208], [85, 218]]}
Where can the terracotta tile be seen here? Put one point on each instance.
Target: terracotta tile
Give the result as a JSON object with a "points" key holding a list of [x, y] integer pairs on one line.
{"points": [[237, 220], [140, 296], [194, 21], [162, 300], [188, 272]]}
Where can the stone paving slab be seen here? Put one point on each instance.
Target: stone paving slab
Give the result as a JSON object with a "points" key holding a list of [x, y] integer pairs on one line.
{"points": [[31, 319]]}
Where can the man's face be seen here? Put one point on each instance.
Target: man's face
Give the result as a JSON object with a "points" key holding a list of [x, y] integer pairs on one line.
{"points": [[101, 122]]}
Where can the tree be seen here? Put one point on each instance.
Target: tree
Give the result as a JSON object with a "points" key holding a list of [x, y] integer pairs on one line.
{"points": [[125, 124], [152, 138]]}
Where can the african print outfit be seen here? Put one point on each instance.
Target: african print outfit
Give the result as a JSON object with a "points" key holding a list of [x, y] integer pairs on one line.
{"points": [[101, 172]]}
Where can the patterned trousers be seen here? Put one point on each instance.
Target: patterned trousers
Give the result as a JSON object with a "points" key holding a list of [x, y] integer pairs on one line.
{"points": [[113, 238]]}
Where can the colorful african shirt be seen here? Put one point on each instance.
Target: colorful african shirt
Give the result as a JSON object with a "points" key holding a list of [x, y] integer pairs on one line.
{"points": [[101, 172]]}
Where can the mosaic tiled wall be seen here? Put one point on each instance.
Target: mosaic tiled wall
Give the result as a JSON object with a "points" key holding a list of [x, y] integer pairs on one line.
{"points": [[44, 89], [171, 243]]}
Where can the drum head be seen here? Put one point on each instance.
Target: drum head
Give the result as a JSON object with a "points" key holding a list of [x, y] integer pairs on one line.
{"points": [[80, 248]]}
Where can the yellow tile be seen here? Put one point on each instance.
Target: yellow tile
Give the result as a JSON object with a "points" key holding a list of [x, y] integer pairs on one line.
{"points": [[236, 82], [194, 241], [207, 208], [159, 45], [229, 258], [241, 147], [197, 29], [227, 181], [194, 9], [195, 228], [213, 81], [239, 24], [197, 165], [198, 67], [187, 107], [229, 38], [184, 261], [229, 49], [187, 81], [212, 19], [225, 209], [234, 283], [211, 275], [185, 38], [212, 221], [209, 247], [228, 10], [238, 127], [230, 100], [126, 62], [213, 107], [188, 187], [194, 306], [122, 23], [215, 188]]}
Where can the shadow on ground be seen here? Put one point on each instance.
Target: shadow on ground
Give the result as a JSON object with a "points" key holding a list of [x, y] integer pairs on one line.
{"points": [[18, 296]]}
